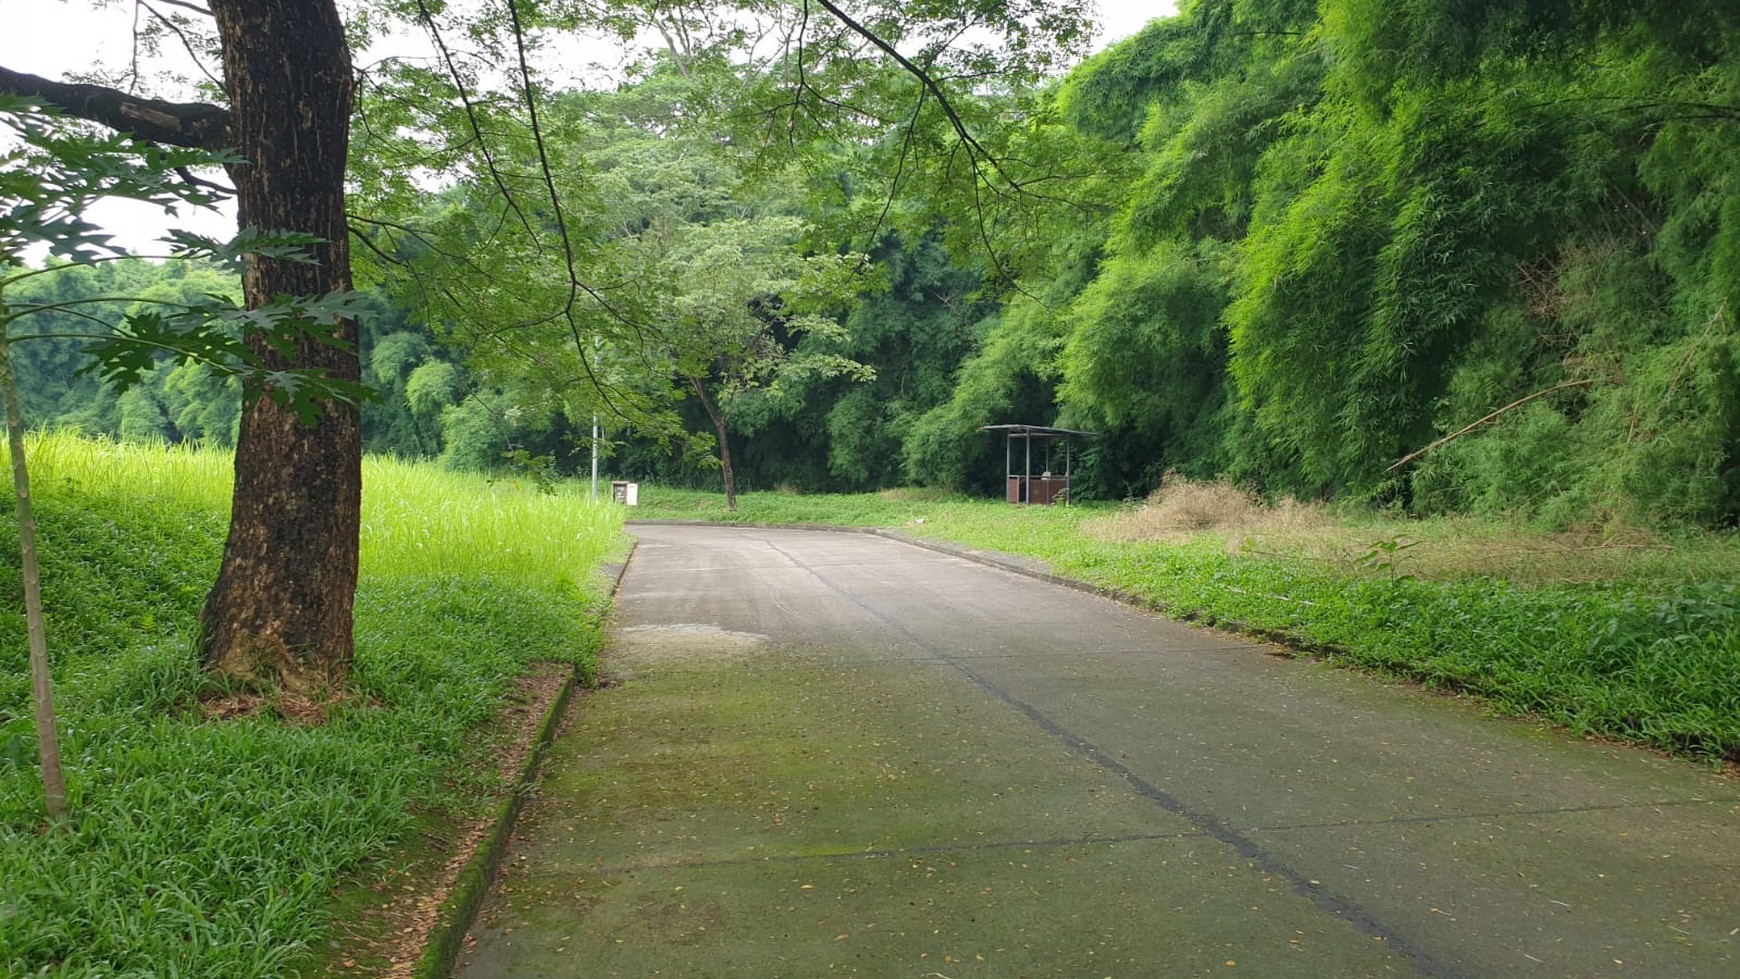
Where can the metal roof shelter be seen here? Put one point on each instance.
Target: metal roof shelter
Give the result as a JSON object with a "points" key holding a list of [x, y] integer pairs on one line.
{"points": [[1021, 485]]}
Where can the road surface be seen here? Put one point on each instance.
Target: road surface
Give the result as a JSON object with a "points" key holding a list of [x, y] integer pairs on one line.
{"points": [[832, 754]]}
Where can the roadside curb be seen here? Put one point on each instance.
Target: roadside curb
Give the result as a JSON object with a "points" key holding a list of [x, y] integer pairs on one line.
{"points": [[471, 887]]}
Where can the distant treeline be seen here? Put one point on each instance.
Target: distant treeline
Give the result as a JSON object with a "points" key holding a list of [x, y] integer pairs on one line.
{"points": [[424, 408]]}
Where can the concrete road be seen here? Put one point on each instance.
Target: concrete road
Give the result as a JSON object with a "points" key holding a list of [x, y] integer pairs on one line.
{"points": [[836, 754]]}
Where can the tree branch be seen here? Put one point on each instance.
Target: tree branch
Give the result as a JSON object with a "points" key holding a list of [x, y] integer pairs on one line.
{"points": [[196, 125], [1464, 430], [924, 77], [975, 150], [471, 116], [210, 185], [186, 42], [196, 8]]}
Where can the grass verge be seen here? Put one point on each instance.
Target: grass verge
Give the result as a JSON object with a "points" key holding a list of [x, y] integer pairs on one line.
{"points": [[206, 848], [1629, 635]]}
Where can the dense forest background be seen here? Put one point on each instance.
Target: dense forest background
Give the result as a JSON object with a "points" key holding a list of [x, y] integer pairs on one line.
{"points": [[1290, 243]]}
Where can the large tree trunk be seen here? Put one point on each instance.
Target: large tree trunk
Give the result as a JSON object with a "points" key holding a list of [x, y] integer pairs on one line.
{"points": [[724, 443], [280, 612]]}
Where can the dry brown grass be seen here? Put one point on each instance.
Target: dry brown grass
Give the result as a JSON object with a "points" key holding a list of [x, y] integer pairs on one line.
{"points": [[1445, 548], [1187, 507], [1184, 510]]}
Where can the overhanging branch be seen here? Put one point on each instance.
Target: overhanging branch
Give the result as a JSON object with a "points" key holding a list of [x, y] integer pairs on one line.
{"points": [[195, 125]]}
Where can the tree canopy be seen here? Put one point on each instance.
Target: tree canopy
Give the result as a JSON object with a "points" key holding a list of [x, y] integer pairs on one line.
{"points": [[1448, 257]]}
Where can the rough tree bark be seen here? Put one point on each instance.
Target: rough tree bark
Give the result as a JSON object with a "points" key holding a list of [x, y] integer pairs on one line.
{"points": [[281, 611], [279, 614], [191, 124]]}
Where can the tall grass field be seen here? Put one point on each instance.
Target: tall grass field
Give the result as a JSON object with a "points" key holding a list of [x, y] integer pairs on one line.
{"points": [[211, 848]]}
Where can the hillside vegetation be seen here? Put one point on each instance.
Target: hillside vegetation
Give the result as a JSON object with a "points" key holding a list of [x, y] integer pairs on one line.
{"points": [[1353, 227], [210, 848]]}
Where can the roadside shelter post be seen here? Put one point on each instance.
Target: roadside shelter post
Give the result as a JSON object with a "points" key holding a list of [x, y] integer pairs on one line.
{"points": [[1023, 487]]}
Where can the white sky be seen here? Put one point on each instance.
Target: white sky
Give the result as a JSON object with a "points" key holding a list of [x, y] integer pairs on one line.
{"points": [[1121, 18], [55, 37]]}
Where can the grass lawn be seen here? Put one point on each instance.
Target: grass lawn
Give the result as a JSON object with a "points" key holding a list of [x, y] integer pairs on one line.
{"points": [[1624, 634], [211, 848]]}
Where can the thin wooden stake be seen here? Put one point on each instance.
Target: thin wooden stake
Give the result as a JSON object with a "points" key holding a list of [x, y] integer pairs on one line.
{"points": [[47, 741]]}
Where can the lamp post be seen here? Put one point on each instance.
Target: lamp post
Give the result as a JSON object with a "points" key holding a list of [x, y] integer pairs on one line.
{"points": [[597, 344]]}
